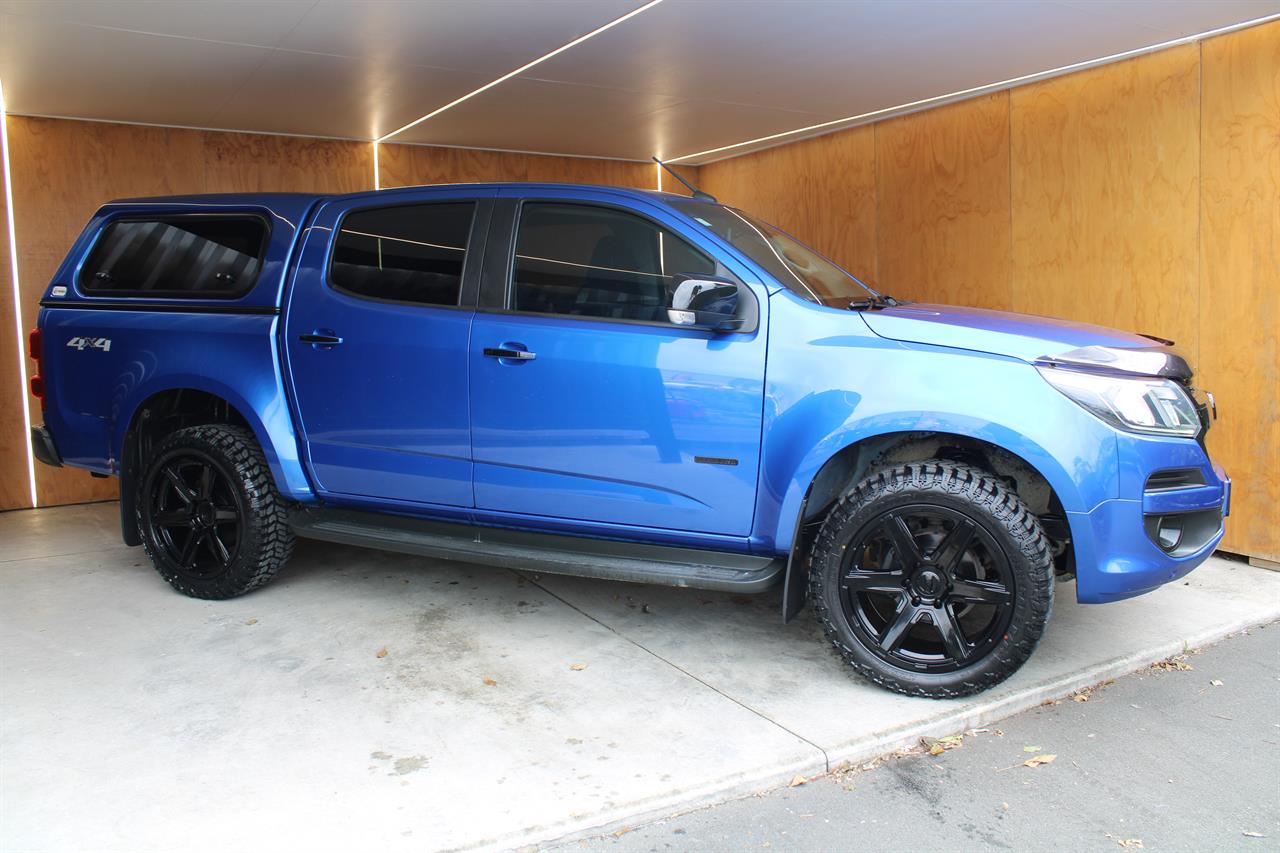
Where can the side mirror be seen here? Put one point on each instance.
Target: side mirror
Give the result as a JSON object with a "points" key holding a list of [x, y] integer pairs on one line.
{"points": [[702, 302]]}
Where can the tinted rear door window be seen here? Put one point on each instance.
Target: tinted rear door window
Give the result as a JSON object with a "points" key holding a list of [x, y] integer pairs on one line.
{"points": [[408, 253], [193, 256]]}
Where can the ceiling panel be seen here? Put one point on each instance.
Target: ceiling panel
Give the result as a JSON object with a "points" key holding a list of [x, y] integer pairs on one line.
{"points": [[682, 77], [165, 81], [840, 59], [531, 115], [250, 22], [488, 37]]}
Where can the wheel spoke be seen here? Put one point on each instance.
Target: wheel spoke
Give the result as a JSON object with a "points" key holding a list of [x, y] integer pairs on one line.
{"points": [[904, 544], [175, 479], [951, 550], [188, 557], [225, 514], [886, 582], [980, 592], [206, 482], [952, 635], [172, 518], [897, 629], [219, 550]]}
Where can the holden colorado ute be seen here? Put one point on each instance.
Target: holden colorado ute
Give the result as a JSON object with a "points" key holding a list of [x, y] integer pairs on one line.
{"points": [[617, 384]]}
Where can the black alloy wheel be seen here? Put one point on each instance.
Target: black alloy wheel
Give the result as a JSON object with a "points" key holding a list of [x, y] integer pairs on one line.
{"points": [[209, 515], [932, 579], [196, 515], [926, 587]]}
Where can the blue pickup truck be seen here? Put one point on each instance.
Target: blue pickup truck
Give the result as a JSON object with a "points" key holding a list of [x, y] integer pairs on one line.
{"points": [[617, 384]]}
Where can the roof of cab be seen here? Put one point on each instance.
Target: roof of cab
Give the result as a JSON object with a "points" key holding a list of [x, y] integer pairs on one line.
{"points": [[297, 203]]}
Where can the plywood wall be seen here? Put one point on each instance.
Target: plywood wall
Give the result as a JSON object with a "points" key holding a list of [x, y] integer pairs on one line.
{"points": [[1239, 306], [64, 170], [1143, 194]]}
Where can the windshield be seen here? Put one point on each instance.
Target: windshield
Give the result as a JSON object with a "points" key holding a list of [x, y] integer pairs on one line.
{"points": [[797, 267]]}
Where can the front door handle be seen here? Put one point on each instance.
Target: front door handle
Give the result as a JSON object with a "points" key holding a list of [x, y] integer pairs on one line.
{"points": [[321, 339], [517, 354]]}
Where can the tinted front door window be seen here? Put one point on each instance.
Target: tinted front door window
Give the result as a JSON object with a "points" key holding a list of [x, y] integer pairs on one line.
{"points": [[598, 262]]}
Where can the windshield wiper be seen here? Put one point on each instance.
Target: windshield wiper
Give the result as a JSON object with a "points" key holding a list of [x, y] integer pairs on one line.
{"points": [[877, 302]]}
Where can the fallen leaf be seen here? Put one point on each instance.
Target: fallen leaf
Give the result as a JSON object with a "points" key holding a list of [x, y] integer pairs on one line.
{"points": [[1036, 761], [490, 682], [937, 746], [577, 667], [1216, 683], [1133, 843], [1080, 697], [1176, 663], [1031, 748], [1051, 702], [797, 781], [382, 652], [255, 622], [621, 832]]}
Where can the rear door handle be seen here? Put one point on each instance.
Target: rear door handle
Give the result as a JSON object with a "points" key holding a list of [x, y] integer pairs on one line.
{"points": [[321, 338], [517, 354]]}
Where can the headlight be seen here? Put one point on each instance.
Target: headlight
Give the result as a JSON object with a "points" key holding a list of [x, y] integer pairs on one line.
{"points": [[1141, 405]]}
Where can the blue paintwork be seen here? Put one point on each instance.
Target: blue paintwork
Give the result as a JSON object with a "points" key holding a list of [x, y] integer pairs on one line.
{"points": [[597, 435]]}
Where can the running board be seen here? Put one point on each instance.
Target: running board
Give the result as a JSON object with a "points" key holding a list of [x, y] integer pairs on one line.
{"points": [[540, 552]]}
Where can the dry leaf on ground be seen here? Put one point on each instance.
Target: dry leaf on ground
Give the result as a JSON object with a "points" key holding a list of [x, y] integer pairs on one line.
{"points": [[577, 667], [1176, 663], [251, 621], [1037, 760], [490, 682], [939, 745], [797, 781], [1031, 748], [1215, 683], [1132, 843], [382, 652]]}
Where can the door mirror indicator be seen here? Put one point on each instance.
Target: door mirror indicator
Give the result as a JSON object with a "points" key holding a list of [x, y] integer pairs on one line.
{"points": [[702, 302]]}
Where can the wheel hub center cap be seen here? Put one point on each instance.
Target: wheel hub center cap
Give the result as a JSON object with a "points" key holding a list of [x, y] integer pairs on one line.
{"points": [[206, 514], [929, 583]]}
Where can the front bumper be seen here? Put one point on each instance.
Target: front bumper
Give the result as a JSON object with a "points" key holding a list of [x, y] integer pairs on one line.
{"points": [[43, 448], [1116, 548]]}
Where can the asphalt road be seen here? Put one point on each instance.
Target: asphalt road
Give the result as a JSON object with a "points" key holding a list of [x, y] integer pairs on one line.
{"points": [[1164, 759]]}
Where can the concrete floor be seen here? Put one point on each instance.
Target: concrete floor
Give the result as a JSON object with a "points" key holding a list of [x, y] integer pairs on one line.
{"points": [[506, 710]]}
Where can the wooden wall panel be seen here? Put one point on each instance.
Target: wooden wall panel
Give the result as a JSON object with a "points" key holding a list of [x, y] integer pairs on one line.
{"points": [[249, 163], [942, 178], [1104, 186], [821, 190], [411, 165], [1240, 275], [15, 491]]}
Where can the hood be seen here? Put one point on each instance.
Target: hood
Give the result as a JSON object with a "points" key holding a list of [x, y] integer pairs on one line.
{"points": [[1027, 337]]}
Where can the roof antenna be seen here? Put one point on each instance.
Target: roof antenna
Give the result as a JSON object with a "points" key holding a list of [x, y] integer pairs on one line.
{"points": [[698, 194]]}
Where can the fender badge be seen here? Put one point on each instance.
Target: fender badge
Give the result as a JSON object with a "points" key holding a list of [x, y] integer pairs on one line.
{"points": [[58, 292]]}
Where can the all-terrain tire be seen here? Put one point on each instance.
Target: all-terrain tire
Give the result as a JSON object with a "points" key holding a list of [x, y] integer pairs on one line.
{"points": [[263, 540], [959, 489]]}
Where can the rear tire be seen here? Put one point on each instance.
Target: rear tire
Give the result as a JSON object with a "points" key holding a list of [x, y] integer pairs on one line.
{"points": [[209, 515], [932, 579]]}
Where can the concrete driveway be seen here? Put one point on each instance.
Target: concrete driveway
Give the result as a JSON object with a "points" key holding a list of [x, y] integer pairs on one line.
{"points": [[369, 700]]}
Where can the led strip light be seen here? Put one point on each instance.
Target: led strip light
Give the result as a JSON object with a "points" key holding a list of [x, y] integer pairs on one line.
{"points": [[523, 68], [17, 296], [939, 100]]}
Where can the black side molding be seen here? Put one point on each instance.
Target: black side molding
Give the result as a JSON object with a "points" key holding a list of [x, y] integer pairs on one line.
{"points": [[166, 307], [540, 552], [43, 448]]}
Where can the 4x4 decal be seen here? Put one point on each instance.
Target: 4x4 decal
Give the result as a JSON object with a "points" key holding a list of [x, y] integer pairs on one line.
{"points": [[82, 344]]}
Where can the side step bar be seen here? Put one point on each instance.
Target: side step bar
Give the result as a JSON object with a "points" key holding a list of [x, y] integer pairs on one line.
{"points": [[540, 552]]}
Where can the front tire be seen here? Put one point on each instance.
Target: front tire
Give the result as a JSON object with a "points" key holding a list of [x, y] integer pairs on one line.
{"points": [[209, 515], [932, 579]]}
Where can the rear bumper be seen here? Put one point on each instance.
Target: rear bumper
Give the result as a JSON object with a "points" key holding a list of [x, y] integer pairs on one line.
{"points": [[1117, 556], [43, 448]]}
